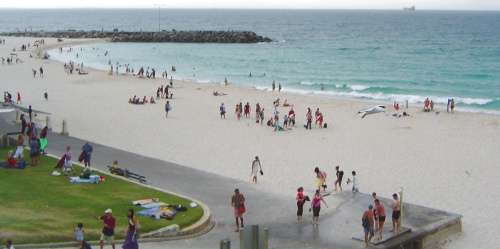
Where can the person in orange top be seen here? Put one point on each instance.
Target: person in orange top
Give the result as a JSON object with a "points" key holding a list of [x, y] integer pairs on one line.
{"points": [[381, 217]]}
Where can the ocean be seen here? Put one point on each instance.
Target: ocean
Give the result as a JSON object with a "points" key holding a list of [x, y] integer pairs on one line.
{"points": [[378, 55]]}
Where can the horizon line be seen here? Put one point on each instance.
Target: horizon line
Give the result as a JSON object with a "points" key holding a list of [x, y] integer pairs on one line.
{"points": [[231, 8]]}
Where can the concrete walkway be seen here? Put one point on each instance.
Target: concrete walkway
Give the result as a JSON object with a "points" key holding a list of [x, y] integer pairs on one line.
{"points": [[339, 223]]}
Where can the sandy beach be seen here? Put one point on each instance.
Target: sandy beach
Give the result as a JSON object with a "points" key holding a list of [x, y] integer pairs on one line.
{"points": [[444, 161]]}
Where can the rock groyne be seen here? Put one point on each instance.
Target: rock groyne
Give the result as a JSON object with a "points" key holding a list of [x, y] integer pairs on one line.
{"points": [[162, 36]]}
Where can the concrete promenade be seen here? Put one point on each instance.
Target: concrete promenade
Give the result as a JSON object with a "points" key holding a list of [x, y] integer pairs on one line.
{"points": [[339, 223]]}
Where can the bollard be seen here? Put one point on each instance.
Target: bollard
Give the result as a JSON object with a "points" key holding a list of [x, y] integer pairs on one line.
{"points": [[64, 131], [242, 238], [255, 237], [225, 244], [265, 239]]}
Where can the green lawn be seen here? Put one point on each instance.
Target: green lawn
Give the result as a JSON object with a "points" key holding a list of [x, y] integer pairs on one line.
{"points": [[36, 207]]}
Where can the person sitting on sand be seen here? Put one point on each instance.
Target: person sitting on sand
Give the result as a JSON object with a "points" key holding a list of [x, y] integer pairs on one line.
{"points": [[285, 103], [144, 100], [276, 103], [152, 100]]}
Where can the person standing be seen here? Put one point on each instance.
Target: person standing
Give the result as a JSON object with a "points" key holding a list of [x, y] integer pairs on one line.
{"points": [[396, 213], [256, 169], [308, 118], [87, 150], [381, 217], [30, 112], [452, 105], [222, 110], [367, 222], [279, 87], [316, 206], [273, 85], [18, 101], [167, 108], [24, 124], [132, 231], [238, 204], [301, 200], [41, 72], [43, 139], [108, 230], [34, 150], [340, 174], [354, 182]]}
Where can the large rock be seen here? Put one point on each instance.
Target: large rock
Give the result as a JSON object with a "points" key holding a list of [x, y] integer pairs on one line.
{"points": [[163, 36]]}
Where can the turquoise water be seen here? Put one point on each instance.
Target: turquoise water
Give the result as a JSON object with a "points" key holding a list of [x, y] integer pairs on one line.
{"points": [[381, 55]]}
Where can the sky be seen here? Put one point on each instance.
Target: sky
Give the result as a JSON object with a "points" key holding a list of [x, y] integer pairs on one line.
{"points": [[259, 4]]}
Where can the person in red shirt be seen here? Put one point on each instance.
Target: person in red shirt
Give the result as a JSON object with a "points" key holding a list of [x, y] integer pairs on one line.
{"points": [[381, 217], [108, 231]]}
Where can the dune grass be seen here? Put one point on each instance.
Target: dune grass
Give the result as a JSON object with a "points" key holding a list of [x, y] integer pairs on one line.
{"points": [[36, 207]]}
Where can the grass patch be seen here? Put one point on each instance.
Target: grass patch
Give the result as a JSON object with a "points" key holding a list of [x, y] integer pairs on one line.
{"points": [[36, 207]]}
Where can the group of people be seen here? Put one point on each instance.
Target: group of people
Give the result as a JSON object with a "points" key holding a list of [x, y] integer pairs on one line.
{"points": [[138, 101], [40, 71], [373, 219], [37, 141], [108, 231], [288, 120], [165, 92]]}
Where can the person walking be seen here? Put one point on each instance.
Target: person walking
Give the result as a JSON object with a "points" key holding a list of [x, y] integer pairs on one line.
{"points": [[222, 110], [131, 234], [316, 206], [367, 222], [30, 112], [396, 213], [355, 188], [238, 204], [381, 217], [167, 108], [108, 230], [256, 169], [86, 155]]}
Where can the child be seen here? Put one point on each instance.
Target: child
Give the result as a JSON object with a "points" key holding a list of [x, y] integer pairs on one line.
{"points": [[354, 182], [79, 237]]}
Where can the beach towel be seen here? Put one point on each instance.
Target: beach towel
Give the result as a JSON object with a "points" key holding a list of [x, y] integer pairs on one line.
{"points": [[19, 165], [144, 201], [149, 212], [93, 179]]}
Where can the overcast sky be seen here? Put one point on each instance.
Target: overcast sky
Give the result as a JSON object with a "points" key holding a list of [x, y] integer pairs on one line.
{"points": [[285, 4]]}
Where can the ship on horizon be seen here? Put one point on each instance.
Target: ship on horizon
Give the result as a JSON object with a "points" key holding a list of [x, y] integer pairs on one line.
{"points": [[412, 8]]}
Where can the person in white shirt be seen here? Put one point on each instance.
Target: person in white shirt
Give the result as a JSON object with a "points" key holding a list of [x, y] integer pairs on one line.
{"points": [[256, 168]]}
